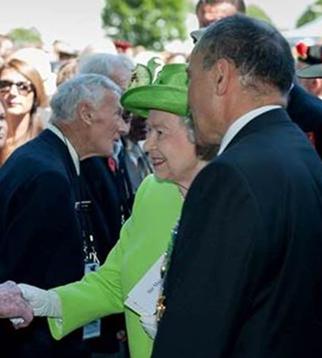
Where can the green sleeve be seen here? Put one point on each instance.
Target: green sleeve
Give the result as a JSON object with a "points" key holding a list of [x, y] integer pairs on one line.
{"points": [[143, 238], [98, 294]]}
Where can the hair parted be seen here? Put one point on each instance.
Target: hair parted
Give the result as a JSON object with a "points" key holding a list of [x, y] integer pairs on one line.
{"points": [[106, 64], [90, 88]]}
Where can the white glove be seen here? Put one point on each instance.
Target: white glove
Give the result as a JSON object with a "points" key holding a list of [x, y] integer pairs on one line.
{"points": [[149, 324], [42, 302]]}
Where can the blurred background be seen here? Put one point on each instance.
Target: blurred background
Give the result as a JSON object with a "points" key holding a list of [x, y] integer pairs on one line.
{"points": [[156, 25]]}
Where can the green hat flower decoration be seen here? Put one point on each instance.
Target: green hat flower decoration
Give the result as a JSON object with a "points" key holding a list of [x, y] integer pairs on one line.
{"points": [[144, 75], [168, 92]]}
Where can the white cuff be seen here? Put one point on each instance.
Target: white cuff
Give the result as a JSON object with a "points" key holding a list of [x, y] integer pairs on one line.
{"points": [[43, 302]]}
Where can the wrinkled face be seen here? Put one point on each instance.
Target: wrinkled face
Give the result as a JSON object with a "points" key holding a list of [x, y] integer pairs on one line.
{"points": [[209, 13], [203, 103], [17, 91], [107, 124], [122, 77], [3, 126], [172, 154]]}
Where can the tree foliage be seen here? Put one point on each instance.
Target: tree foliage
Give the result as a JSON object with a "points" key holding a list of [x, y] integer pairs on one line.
{"points": [[24, 37], [145, 22], [258, 13], [311, 13]]}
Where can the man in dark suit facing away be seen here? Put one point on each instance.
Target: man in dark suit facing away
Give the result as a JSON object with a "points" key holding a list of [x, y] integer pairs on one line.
{"points": [[245, 274], [300, 102]]}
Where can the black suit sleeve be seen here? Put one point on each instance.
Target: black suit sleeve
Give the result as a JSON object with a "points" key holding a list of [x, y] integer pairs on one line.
{"points": [[40, 234], [213, 269], [305, 110]]}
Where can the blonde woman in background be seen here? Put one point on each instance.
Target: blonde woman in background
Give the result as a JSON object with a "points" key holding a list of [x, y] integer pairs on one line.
{"points": [[22, 90]]}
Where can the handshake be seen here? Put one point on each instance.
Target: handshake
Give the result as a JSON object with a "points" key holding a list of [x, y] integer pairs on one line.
{"points": [[22, 302]]}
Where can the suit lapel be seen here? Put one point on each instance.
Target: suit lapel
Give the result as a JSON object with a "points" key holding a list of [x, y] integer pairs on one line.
{"points": [[273, 117]]}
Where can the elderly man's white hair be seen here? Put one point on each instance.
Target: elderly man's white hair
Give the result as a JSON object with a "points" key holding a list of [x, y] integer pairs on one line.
{"points": [[91, 88], [104, 64], [107, 65]]}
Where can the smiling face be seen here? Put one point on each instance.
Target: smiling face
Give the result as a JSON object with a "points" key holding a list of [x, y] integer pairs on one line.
{"points": [[172, 154], [3, 126], [18, 94]]}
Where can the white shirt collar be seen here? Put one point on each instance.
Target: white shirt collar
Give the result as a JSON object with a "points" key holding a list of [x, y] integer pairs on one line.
{"points": [[240, 123], [69, 145]]}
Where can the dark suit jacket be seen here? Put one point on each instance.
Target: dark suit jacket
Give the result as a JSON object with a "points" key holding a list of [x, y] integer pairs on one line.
{"points": [[106, 218], [245, 276], [40, 241], [306, 111]]}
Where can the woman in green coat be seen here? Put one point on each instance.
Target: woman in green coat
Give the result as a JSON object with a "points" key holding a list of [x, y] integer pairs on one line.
{"points": [[147, 233]]}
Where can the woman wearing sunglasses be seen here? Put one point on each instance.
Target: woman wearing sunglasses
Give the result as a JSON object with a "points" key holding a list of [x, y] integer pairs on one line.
{"points": [[22, 89]]}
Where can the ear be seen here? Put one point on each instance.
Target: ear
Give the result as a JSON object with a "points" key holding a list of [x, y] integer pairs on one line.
{"points": [[84, 112], [221, 76]]}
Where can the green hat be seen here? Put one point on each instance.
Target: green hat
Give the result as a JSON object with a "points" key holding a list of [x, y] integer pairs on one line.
{"points": [[313, 71], [167, 93]]}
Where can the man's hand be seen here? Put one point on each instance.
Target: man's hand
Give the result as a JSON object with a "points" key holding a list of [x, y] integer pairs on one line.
{"points": [[12, 304]]}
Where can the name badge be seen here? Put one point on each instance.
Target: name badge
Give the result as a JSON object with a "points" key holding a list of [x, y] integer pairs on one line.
{"points": [[92, 329]]}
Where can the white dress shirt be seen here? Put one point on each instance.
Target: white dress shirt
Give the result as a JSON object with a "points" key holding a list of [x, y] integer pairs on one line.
{"points": [[69, 145], [240, 123]]}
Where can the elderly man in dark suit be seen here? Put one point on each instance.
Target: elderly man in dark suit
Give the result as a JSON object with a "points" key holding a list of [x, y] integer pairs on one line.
{"points": [[45, 216], [245, 274]]}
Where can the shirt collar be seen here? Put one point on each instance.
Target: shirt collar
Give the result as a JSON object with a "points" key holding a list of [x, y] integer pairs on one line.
{"points": [[240, 123], [71, 149]]}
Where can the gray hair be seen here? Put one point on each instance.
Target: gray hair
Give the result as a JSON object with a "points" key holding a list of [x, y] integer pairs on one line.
{"points": [[105, 64], [259, 52], [204, 152], [189, 124], [90, 88]]}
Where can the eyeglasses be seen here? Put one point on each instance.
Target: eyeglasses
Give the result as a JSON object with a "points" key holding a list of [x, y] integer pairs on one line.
{"points": [[23, 88]]}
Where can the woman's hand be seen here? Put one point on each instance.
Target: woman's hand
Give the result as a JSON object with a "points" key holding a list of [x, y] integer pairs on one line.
{"points": [[43, 302]]}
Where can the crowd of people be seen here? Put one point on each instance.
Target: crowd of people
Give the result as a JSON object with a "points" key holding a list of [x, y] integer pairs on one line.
{"points": [[164, 211]]}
